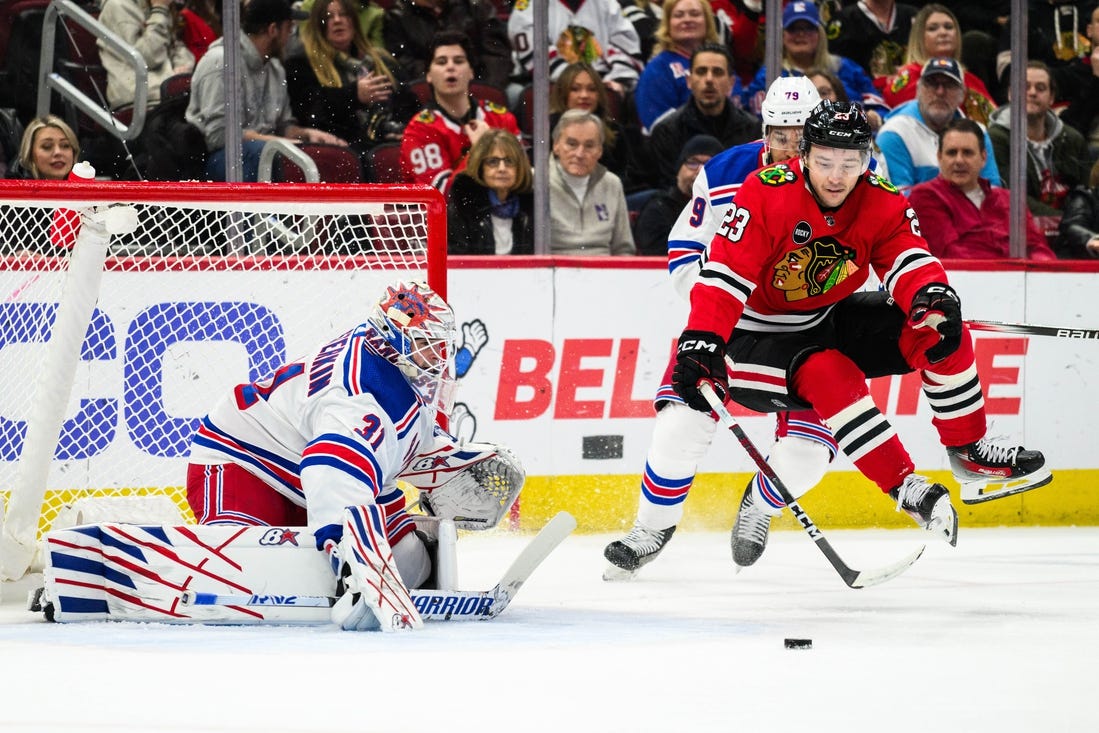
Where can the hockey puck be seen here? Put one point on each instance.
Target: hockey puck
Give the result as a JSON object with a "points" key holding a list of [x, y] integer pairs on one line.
{"points": [[798, 643]]}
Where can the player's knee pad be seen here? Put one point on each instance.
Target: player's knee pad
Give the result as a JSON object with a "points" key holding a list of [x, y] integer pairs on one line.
{"points": [[800, 463], [830, 382], [681, 434]]}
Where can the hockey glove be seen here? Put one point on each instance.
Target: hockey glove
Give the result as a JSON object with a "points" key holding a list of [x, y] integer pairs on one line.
{"points": [[700, 356], [937, 306]]}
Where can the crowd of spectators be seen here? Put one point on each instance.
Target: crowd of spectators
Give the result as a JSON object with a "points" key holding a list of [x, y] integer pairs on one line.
{"points": [[640, 91]]}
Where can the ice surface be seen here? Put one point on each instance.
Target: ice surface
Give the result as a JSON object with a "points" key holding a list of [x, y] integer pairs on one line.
{"points": [[999, 634]]}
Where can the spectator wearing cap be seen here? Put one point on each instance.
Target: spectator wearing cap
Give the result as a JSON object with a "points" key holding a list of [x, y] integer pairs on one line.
{"points": [[909, 139], [265, 110], [936, 32], [961, 215], [1057, 154], [660, 212], [804, 46]]}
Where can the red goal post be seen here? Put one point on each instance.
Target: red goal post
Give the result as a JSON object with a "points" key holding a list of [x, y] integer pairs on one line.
{"points": [[112, 354]]}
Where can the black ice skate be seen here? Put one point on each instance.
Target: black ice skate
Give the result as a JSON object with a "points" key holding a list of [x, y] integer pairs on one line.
{"points": [[750, 531], [989, 471], [928, 504], [639, 547]]}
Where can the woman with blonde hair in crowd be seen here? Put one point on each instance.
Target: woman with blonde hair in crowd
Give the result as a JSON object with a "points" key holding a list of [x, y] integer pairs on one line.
{"points": [[491, 207], [935, 33], [685, 26], [49, 150], [341, 83], [580, 87]]}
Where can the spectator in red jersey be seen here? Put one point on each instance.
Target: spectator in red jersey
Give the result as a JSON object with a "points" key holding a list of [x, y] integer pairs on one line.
{"points": [[200, 25], [961, 214], [935, 32], [437, 140]]}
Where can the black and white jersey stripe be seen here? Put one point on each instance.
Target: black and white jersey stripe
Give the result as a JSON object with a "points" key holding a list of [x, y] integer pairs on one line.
{"points": [[906, 263]]}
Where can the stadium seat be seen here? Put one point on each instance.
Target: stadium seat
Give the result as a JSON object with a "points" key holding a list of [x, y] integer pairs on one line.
{"points": [[335, 164], [384, 164]]}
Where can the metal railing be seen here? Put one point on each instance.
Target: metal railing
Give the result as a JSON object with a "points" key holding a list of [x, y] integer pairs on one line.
{"points": [[49, 80]]}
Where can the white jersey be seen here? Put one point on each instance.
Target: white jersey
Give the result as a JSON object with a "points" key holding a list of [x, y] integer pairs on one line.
{"points": [[597, 31], [332, 430]]}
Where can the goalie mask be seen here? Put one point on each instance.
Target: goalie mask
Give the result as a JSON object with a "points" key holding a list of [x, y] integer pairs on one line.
{"points": [[418, 335]]}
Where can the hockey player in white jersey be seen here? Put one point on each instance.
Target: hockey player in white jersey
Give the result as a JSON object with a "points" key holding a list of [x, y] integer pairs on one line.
{"points": [[323, 441], [681, 436]]}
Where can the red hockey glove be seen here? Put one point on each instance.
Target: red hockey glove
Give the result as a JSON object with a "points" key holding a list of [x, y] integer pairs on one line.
{"points": [[937, 306], [700, 356]]}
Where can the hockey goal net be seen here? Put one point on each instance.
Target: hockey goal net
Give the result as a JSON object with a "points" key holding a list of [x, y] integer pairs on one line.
{"points": [[113, 348]]}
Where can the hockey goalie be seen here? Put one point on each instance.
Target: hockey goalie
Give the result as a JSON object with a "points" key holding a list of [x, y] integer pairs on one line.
{"points": [[294, 483]]}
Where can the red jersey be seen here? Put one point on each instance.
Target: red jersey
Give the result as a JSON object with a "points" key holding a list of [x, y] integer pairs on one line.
{"points": [[779, 263], [434, 147]]}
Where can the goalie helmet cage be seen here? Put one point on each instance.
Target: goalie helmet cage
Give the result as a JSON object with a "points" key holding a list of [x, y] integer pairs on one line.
{"points": [[218, 284]]}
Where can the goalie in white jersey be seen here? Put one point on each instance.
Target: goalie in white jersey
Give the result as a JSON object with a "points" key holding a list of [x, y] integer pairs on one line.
{"points": [[323, 441]]}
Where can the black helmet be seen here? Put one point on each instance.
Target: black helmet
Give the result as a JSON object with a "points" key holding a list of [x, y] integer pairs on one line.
{"points": [[836, 125]]}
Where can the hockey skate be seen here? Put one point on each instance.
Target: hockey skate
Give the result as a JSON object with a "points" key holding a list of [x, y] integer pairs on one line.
{"points": [[638, 548], [929, 505], [750, 531], [989, 471]]}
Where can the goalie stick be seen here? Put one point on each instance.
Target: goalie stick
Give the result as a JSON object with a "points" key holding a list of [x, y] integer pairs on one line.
{"points": [[433, 605], [853, 578], [1028, 330]]}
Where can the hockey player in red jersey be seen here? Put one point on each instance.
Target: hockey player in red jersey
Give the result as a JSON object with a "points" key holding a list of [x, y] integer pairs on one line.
{"points": [[779, 297], [437, 140]]}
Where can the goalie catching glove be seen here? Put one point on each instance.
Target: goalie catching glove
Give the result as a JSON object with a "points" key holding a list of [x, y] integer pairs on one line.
{"points": [[472, 484], [699, 357], [938, 307]]}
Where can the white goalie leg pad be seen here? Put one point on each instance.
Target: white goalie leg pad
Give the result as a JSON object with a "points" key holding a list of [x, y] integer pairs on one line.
{"points": [[375, 597], [800, 465], [127, 572], [681, 437]]}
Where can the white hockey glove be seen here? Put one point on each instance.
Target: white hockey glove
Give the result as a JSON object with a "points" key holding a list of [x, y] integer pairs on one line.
{"points": [[473, 484]]}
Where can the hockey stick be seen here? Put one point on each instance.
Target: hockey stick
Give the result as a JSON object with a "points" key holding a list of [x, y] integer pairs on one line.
{"points": [[433, 605], [853, 578], [1028, 330]]}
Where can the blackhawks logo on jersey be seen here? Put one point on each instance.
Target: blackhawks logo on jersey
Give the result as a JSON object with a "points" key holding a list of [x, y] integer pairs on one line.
{"points": [[813, 269], [426, 116], [777, 175], [875, 180]]}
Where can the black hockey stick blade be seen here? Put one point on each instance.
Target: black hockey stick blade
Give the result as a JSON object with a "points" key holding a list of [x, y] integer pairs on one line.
{"points": [[1028, 330], [853, 578]]}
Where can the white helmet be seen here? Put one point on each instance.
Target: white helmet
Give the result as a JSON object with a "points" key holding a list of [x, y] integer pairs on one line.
{"points": [[417, 333], [789, 101]]}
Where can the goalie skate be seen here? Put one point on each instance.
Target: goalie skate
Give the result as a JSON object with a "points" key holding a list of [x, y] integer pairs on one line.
{"points": [[929, 505], [987, 471], [640, 547]]}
